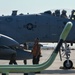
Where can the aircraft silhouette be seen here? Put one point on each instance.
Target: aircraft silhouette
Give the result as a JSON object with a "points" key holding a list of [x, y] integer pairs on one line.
{"points": [[19, 29]]}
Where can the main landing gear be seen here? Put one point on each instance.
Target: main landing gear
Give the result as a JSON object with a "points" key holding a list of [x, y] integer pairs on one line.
{"points": [[67, 64]]}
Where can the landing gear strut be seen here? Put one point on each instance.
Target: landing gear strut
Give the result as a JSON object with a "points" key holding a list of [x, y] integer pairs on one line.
{"points": [[67, 64]]}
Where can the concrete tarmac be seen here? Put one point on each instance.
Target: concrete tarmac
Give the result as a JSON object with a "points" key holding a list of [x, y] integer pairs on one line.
{"points": [[54, 69]]}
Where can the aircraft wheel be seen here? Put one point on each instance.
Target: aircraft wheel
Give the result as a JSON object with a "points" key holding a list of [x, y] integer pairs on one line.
{"points": [[68, 64], [3, 73], [25, 73]]}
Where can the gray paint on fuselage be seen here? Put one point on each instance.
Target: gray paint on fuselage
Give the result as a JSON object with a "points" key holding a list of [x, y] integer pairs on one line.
{"points": [[46, 27]]}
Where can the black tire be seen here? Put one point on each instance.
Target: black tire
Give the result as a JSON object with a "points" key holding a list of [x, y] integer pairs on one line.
{"points": [[68, 66], [25, 73], [3, 73]]}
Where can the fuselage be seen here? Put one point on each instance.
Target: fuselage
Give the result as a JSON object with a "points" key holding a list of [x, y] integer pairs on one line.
{"points": [[25, 28]]}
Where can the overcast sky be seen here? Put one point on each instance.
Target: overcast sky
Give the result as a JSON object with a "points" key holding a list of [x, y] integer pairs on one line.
{"points": [[34, 6]]}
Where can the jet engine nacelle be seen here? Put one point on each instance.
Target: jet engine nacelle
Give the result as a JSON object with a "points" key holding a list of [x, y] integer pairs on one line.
{"points": [[7, 41]]}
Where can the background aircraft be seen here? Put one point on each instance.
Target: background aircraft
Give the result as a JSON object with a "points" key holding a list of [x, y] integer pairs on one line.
{"points": [[19, 29]]}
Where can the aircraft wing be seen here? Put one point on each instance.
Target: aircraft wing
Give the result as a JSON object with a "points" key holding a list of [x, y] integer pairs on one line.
{"points": [[6, 50], [5, 54], [7, 41]]}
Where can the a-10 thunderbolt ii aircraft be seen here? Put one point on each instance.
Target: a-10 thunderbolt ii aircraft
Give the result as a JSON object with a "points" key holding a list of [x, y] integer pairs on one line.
{"points": [[16, 29]]}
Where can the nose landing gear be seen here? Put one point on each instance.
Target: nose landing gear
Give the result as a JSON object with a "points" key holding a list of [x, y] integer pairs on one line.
{"points": [[67, 64]]}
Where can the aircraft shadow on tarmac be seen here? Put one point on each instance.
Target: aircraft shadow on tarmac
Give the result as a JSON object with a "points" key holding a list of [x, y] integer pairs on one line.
{"points": [[58, 72]]}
